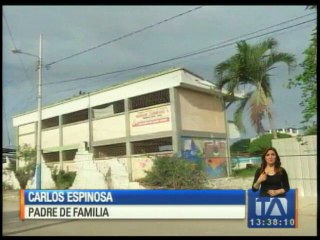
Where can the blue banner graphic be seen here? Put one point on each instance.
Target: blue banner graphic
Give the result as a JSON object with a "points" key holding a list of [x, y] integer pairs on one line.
{"points": [[129, 197]]}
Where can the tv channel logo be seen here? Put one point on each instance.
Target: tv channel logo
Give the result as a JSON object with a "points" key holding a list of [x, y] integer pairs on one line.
{"points": [[271, 207], [272, 212]]}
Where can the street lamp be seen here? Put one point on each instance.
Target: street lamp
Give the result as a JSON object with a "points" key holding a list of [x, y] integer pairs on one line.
{"points": [[38, 147]]}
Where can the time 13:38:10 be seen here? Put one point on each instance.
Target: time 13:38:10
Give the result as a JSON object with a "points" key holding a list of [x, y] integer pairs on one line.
{"points": [[271, 222]]}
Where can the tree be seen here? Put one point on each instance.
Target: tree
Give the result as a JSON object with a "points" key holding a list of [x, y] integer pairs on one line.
{"points": [[259, 145], [250, 66], [27, 171], [175, 173], [311, 130], [307, 80], [241, 146]]}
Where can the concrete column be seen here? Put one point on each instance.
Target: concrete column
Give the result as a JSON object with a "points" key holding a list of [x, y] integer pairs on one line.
{"points": [[60, 142], [175, 120], [90, 118], [128, 143], [90, 131]]}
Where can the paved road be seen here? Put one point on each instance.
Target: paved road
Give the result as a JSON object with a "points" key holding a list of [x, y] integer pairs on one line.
{"points": [[12, 226]]}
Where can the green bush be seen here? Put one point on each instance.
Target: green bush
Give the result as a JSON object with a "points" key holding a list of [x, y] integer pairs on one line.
{"points": [[240, 147], [311, 130], [6, 186], [63, 179], [258, 146], [175, 173], [25, 173]]}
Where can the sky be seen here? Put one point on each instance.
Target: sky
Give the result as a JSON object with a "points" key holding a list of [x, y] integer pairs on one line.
{"points": [[85, 41]]}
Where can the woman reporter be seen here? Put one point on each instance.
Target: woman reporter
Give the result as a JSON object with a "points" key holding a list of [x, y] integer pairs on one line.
{"points": [[271, 178]]}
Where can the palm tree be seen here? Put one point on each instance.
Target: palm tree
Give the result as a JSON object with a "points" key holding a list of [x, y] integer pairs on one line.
{"points": [[250, 66]]}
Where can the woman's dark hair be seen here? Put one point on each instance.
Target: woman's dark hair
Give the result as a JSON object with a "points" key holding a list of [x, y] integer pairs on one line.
{"points": [[277, 165]]}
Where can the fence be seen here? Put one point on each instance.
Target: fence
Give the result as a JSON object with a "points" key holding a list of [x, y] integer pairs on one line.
{"points": [[299, 158], [243, 162]]}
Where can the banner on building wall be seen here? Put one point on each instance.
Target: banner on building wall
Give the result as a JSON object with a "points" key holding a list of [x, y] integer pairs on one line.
{"points": [[150, 116], [210, 152], [103, 112]]}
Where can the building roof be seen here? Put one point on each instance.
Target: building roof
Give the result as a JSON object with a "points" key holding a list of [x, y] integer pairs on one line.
{"points": [[117, 85], [199, 81]]}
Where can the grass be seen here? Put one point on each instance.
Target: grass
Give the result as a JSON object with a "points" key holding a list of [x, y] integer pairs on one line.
{"points": [[246, 172]]}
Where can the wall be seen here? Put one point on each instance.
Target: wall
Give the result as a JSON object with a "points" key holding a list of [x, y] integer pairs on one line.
{"points": [[26, 134], [50, 138], [300, 161], [109, 128], [137, 165], [196, 108], [28, 128], [75, 133], [29, 139], [151, 120], [209, 152], [140, 164]]}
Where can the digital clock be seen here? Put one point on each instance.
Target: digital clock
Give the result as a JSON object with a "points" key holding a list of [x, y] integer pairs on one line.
{"points": [[272, 212], [271, 222]]}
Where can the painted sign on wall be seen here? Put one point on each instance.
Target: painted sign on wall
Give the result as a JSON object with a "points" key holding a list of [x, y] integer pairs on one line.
{"points": [[150, 116], [211, 152], [151, 120]]}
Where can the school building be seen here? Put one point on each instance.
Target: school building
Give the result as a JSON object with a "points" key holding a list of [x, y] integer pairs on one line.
{"points": [[172, 112]]}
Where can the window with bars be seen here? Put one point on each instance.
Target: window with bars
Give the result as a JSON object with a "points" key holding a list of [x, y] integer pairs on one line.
{"points": [[50, 122], [51, 157], [152, 145], [69, 155], [150, 99], [112, 150], [75, 116]]}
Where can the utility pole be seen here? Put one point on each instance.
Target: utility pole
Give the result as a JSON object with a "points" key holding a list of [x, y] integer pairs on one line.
{"points": [[39, 138], [39, 124]]}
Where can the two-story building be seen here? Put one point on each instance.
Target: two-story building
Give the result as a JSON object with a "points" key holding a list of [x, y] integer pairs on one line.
{"points": [[175, 112]]}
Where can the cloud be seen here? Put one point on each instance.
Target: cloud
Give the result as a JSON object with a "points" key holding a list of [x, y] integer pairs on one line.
{"points": [[68, 30]]}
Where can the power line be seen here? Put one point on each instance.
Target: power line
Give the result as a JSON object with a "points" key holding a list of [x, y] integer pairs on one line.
{"points": [[15, 47], [248, 34], [290, 20], [180, 57], [272, 26], [12, 40], [124, 36], [79, 86], [29, 100]]}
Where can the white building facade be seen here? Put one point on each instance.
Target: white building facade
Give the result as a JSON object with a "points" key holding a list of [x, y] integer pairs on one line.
{"points": [[289, 130], [173, 112]]}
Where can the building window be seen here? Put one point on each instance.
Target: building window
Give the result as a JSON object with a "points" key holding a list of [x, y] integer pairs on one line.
{"points": [[110, 150], [69, 155], [108, 109], [151, 146], [50, 122], [150, 99], [51, 157], [75, 116]]}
